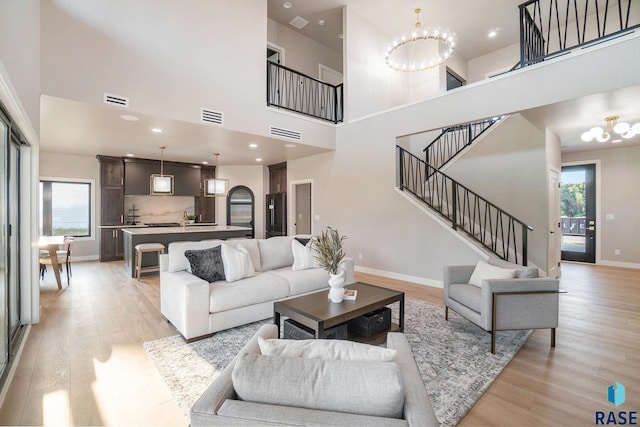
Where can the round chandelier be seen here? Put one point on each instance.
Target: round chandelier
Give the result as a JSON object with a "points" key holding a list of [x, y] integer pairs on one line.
{"points": [[603, 135], [421, 48]]}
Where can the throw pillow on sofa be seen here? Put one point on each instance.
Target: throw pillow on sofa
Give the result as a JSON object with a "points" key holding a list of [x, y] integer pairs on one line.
{"points": [[303, 256], [485, 271], [206, 263], [326, 349], [237, 262]]}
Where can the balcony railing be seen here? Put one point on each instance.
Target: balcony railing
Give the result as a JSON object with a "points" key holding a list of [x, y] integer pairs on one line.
{"points": [[293, 91], [552, 27]]}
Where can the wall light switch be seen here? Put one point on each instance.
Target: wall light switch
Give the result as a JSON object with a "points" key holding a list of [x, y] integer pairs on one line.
{"points": [[616, 252], [611, 216], [316, 217]]}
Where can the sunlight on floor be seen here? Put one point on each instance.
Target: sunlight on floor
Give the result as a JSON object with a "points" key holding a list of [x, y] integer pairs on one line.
{"points": [[55, 408]]}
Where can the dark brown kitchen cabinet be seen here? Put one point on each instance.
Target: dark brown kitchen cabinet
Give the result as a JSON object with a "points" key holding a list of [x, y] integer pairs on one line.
{"points": [[111, 207], [205, 208], [137, 174], [278, 178], [111, 244]]}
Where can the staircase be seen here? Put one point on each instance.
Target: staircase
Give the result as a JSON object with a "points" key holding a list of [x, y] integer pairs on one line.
{"points": [[469, 213], [453, 140]]}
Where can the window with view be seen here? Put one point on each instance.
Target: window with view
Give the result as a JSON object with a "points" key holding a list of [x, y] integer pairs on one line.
{"points": [[65, 208]]}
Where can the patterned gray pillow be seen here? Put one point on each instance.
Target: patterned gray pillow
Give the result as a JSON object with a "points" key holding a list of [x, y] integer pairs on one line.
{"points": [[206, 263]]}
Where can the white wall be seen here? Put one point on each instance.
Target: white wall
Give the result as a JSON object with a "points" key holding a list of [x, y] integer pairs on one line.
{"points": [[20, 53], [253, 177], [54, 165], [499, 60], [620, 197], [354, 186], [301, 53], [209, 53]]}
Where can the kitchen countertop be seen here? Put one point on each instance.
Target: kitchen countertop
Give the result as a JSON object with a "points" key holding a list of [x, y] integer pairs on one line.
{"points": [[188, 229], [195, 224]]}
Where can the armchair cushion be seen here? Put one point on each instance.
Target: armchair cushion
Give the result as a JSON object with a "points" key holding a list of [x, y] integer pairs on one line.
{"points": [[485, 271], [468, 295]]}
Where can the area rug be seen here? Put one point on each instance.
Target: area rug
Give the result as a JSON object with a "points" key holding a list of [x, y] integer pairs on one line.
{"points": [[453, 356]]}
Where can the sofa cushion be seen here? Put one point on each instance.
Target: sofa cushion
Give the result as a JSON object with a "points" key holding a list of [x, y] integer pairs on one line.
{"points": [[467, 295], [484, 271], [303, 256], [326, 349], [237, 262], [275, 252], [206, 263], [366, 388], [303, 281], [177, 260], [251, 290], [521, 270], [251, 245]]}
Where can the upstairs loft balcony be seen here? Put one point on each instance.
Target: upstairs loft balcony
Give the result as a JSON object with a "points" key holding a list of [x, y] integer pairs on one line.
{"points": [[290, 90]]}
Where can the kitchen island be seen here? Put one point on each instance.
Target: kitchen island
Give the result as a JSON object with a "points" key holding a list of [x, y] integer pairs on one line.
{"points": [[166, 235]]}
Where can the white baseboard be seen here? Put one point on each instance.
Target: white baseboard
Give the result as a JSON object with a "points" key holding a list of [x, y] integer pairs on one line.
{"points": [[619, 264], [14, 365], [85, 258], [403, 277]]}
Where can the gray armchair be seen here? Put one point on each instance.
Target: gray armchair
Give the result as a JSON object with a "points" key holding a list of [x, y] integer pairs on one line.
{"points": [[524, 302]]}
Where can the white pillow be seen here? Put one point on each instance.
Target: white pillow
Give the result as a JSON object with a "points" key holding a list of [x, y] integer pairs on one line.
{"points": [[326, 349], [237, 262], [487, 271], [303, 256]]}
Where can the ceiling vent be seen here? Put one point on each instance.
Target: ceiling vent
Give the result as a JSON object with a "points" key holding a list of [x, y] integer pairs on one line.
{"points": [[115, 100], [299, 22], [211, 117], [285, 133]]}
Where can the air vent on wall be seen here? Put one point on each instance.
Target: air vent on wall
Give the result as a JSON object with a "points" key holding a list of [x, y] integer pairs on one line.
{"points": [[285, 133], [115, 100], [210, 116], [299, 22]]}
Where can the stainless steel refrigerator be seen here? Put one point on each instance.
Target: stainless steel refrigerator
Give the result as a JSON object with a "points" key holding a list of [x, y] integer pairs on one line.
{"points": [[276, 219]]}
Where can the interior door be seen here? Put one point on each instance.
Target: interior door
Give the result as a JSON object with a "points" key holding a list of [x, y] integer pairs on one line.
{"points": [[303, 208], [555, 239], [578, 213]]}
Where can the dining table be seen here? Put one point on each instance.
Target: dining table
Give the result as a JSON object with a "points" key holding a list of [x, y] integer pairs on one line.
{"points": [[52, 244]]}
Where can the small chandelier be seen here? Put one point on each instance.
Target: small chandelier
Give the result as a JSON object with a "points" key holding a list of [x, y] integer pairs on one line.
{"points": [[603, 135], [161, 184], [216, 187], [421, 48]]}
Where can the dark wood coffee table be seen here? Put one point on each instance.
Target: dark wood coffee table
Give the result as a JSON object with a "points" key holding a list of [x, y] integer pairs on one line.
{"points": [[317, 312]]}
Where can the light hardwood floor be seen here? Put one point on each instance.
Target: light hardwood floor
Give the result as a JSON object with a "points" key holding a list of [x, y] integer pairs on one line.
{"points": [[84, 363]]}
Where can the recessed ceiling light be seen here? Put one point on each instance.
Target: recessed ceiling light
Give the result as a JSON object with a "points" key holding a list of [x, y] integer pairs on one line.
{"points": [[290, 145], [615, 141], [253, 145], [287, 5], [129, 118], [258, 159], [205, 163], [156, 130], [321, 22], [130, 155], [493, 33]]}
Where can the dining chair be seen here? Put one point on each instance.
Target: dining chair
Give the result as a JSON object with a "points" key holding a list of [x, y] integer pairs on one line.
{"points": [[64, 255]]}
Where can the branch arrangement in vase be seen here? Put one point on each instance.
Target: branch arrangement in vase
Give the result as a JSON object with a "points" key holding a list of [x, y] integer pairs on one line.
{"points": [[328, 249]]}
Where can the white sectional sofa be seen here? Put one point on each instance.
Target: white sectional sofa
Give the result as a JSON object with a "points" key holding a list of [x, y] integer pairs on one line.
{"points": [[198, 308]]}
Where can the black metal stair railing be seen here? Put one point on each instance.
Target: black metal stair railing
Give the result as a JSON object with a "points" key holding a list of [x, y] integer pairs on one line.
{"points": [[492, 227], [294, 91], [552, 27], [453, 140]]}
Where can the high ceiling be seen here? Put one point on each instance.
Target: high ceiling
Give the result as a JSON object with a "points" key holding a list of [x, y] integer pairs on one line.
{"points": [[72, 127]]}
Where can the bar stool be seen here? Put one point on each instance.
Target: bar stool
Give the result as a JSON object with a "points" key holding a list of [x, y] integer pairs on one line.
{"points": [[141, 248]]}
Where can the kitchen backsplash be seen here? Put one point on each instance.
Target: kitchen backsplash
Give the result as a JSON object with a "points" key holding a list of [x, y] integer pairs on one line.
{"points": [[155, 209]]}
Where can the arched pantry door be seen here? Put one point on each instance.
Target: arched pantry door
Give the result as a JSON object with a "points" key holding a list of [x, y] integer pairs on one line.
{"points": [[241, 208]]}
